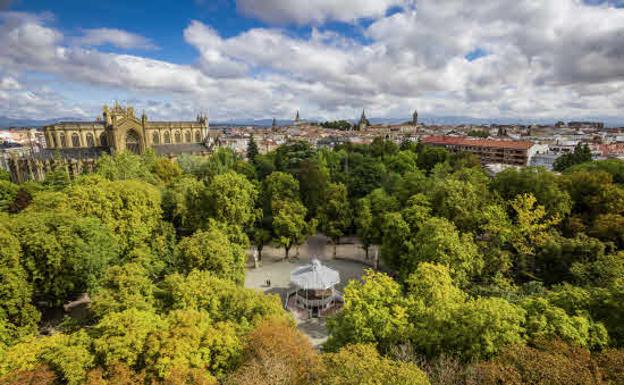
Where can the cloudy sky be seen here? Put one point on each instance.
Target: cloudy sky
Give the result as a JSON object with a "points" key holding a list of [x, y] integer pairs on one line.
{"points": [[231, 59]]}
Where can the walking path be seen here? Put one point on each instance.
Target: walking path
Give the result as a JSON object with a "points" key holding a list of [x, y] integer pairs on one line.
{"points": [[277, 270]]}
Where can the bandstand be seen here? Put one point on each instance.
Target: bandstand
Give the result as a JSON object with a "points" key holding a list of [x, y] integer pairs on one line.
{"points": [[314, 289]]}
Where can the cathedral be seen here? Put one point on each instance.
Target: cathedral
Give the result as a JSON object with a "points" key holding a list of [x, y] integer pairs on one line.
{"points": [[76, 145]]}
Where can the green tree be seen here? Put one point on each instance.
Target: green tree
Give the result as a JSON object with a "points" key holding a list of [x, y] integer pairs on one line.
{"points": [[545, 321], [64, 253], [130, 208], [222, 299], [17, 313], [124, 287], [184, 205], [212, 250], [190, 340], [439, 241], [530, 231], [542, 184], [123, 165], [362, 364], [289, 224], [231, 199], [430, 156], [374, 311], [335, 213], [8, 192], [122, 336], [581, 154], [252, 149]]}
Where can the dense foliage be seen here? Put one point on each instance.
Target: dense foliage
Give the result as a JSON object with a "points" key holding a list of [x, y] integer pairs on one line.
{"points": [[516, 279]]}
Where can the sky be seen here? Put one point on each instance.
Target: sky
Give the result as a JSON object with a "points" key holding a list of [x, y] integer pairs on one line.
{"points": [[254, 59]]}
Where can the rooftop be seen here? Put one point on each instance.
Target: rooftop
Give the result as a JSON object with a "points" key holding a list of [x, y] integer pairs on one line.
{"points": [[490, 143]]}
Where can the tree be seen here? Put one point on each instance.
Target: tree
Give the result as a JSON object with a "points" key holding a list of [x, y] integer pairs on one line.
{"points": [[542, 184], [444, 319], [123, 165], [615, 167], [191, 341], [64, 253], [430, 156], [289, 224], [548, 363], [130, 208], [335, 213], [439, 241], [374, 311], [545, 321], [121, 337], [222, 299], [231, 199], [124, 287], [364, 224], [581, 154], [279, 186], [361, 364], [364, 174], [276, 353], [184, 204], [8, 192], [212, 250], [18, 315], [530, 231], [252, 149]]}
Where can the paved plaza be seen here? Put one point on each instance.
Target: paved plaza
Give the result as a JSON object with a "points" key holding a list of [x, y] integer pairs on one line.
{"points": [[277, 270]]}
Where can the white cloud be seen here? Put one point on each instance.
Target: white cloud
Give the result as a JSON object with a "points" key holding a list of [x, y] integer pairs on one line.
{"points": [[314, 11], [550, 59], [116, 37]]}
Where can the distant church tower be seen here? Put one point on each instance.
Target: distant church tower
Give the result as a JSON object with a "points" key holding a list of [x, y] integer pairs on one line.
{"points": [[297, 118], [363, 123], [274, 124], [415, 118]]}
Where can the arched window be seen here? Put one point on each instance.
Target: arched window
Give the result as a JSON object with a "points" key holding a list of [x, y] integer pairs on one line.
{"points": [[133, 142], [103, 140], [75, 140], [197, 136], [63, 140], [167, 137], [187, 137], [155, 137], [90, 141], [178, 137]]}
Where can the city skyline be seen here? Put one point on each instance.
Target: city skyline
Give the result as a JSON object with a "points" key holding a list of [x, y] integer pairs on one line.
{"points": [[255, 60]]}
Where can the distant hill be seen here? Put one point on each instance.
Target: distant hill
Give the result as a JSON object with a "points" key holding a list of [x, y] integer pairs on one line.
{"points": [[6, 122]]}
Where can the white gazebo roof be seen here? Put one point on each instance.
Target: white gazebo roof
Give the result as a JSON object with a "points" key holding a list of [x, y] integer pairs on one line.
{"points": [[315, 276]]}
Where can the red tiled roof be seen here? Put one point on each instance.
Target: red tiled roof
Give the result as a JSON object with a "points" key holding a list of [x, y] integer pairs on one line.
{"points": [[490, 143]]}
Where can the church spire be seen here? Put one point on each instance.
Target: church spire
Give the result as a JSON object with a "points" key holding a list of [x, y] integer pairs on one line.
{"points": [[297, 118], [415, 118], [363, 123]]}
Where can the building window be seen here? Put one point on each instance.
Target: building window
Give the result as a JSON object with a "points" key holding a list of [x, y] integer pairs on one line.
{"points": [[103, 140], [90, 141], [63, 140], [178, 137], [197, 136], [75, 140], [167, 137], [133, 142], [155, 137], [187, 136]]}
